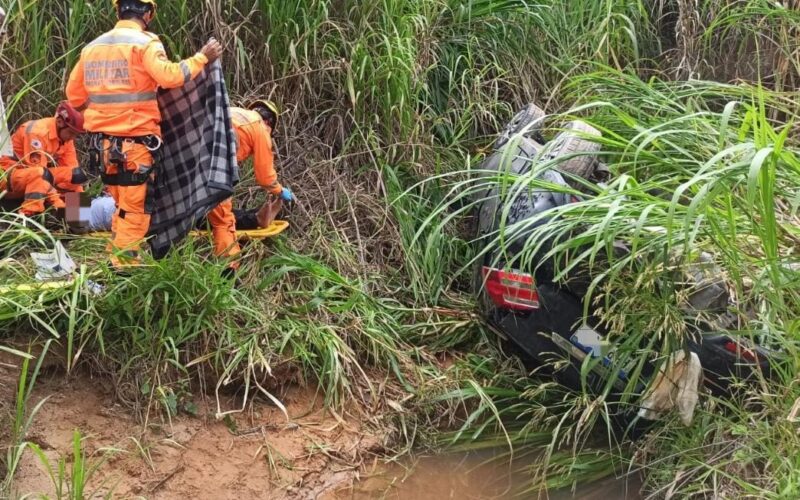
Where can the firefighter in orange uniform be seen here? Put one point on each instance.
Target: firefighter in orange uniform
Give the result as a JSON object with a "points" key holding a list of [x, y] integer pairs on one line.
{"points": [[40, 148], [253, 129], [115, 81]]}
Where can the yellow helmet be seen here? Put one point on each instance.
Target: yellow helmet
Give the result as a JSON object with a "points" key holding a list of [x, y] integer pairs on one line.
{"points": [[270, 106], [263, 103], [146, 2]]}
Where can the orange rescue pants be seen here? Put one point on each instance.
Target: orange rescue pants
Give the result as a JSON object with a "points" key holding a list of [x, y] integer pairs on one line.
{"points": [[34, 185], [223, 231], [131, 221]]}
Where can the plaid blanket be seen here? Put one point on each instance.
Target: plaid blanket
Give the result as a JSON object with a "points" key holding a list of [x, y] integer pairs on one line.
{"points": [[197, 164]]}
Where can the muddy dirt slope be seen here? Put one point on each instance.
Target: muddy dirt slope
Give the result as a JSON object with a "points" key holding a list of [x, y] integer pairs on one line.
{"points": [[254, 454]]}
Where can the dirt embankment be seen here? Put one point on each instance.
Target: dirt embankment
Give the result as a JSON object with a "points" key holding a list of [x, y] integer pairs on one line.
{"points": [[254, 454]]}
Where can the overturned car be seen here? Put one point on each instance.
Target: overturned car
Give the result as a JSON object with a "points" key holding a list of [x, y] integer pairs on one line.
{"points": [[547, 318]]}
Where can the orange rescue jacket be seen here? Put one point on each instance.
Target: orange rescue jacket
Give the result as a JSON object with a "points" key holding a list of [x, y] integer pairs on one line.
{"points": [[117, 77], [36, 144], [254, 138]]}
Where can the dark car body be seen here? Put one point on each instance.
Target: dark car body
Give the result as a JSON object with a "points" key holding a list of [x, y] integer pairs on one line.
{"points": [[544, 320]]}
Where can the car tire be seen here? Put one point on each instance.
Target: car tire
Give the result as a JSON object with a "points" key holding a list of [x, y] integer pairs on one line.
{"points": [[528, 120], [573, 140]]}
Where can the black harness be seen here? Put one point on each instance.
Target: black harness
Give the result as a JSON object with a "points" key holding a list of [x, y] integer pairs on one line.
{"points": [[116, 157]]}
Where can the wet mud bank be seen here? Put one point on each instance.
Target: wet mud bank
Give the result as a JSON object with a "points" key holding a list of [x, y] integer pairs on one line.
{"points": [[258, 453]]}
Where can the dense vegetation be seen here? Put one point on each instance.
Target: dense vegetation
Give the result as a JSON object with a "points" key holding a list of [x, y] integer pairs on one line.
{"points": [[389, 107]]}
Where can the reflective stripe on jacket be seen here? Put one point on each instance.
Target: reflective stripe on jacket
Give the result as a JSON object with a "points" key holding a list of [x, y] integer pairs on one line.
{"points": [[254, 138], [117, 77]]}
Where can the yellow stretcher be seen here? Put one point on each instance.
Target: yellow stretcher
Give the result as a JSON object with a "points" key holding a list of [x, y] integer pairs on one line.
{"points": [[274, 229], [35, 287]]}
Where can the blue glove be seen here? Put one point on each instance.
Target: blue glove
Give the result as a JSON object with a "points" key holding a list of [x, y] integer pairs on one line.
{"points": [[286, 195]]}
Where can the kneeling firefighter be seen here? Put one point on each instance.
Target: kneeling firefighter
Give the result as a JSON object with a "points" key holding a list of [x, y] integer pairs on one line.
{"points": [[253, 129], [43, 156], [115, 81]]}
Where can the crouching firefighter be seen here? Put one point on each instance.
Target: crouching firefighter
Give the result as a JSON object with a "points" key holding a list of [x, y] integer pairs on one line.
{"points": [[253, 128], [41, 151], [115, 81]]}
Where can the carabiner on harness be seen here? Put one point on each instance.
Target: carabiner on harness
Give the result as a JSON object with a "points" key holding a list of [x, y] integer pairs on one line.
{"points": [[152, 143], [96, 164]]}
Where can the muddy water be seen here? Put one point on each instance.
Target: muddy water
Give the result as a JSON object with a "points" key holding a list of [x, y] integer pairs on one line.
{"points": [[471, 476], [200, 457]]}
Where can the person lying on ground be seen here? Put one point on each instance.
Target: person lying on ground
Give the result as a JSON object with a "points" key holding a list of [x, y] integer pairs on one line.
{"points": [[102, 208], [115, 81], [253, 129], [40, 147]]}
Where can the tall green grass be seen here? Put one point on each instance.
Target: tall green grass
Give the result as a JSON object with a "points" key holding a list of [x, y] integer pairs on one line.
{"points": [[389, 109], [20, 422], [70, 476], [697, 167]]}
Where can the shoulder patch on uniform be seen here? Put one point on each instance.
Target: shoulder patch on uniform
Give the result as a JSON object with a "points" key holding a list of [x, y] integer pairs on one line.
{"points": [[36, 144]]}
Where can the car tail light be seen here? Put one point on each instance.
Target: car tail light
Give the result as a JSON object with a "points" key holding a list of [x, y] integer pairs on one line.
{"points": [[740, 350], [511, 289]]}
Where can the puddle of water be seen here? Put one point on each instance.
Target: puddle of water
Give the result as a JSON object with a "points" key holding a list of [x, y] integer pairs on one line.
{"points": [[471, 477]]}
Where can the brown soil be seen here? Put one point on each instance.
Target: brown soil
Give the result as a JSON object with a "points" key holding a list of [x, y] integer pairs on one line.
{"points": [[255, 454]]}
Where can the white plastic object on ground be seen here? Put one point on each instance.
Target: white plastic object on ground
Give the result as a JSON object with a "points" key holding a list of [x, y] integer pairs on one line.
{"points": [[94, 288], [674, 387], [53, 265]]}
